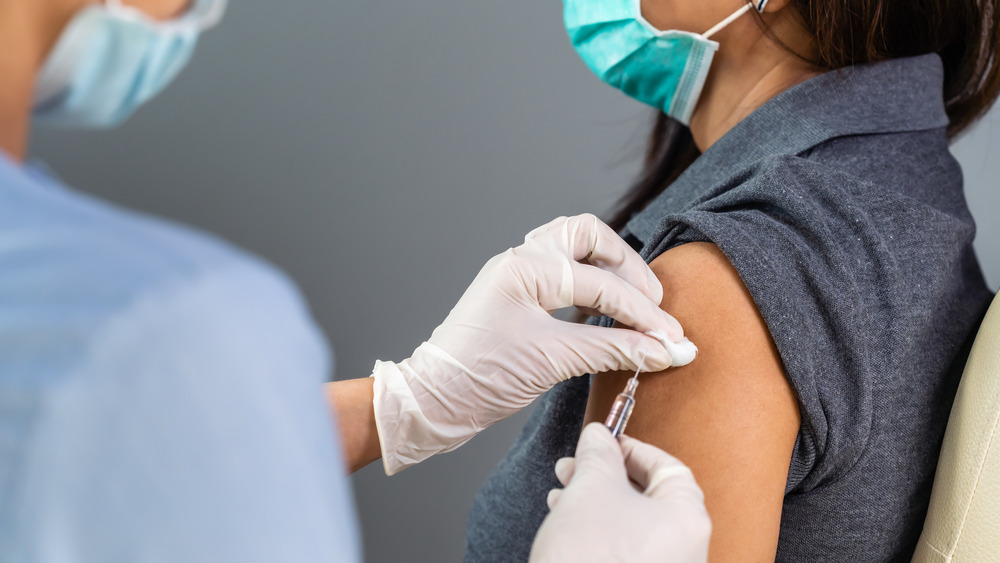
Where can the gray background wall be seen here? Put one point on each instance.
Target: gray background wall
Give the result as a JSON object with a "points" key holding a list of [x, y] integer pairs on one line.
{"points": [[380, 152]]}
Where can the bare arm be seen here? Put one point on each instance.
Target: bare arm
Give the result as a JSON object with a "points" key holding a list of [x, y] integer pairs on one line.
{"points": [[731, 415], [351, 403]]}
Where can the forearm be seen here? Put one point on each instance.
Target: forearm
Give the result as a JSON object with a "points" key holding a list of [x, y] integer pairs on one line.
{"points": [[351, 403]]}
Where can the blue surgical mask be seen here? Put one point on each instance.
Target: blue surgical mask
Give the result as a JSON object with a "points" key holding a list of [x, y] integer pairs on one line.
{"points": [[664, 69], [111, 59]]}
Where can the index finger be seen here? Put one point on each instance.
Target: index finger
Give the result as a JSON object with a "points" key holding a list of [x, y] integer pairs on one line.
{"points": [[585, 238]]}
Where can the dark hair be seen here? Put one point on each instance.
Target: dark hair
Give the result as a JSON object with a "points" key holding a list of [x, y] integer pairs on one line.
{"points": [[965, 33]]}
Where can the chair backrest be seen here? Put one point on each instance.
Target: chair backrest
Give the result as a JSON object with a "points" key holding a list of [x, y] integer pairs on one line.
{"points": [[963, 521]]}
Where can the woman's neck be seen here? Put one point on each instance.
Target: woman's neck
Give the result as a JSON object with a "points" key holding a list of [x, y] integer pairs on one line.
{"points": [[742, 79]]}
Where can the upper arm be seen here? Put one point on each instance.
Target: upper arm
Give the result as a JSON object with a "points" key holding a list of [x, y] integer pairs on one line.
{"points": [[731, 415]]}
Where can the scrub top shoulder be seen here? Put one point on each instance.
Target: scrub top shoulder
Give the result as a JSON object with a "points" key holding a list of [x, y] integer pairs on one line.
{"points": [[160, 393], [842, 210]]}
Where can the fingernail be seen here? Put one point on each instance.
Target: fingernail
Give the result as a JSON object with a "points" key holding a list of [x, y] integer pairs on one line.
{"points": [[674, 324], [563, 468], [660, 336]]}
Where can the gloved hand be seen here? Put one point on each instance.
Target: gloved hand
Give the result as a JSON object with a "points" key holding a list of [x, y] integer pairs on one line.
{"points": [[500, 347], [600, 516]]}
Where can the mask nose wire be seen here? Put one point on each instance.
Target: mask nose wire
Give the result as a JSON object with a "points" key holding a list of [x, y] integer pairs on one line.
{"points": [[732, 17]]}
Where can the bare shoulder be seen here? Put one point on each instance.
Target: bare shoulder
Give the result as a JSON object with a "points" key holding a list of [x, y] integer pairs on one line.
{"points": [[731, 415]]}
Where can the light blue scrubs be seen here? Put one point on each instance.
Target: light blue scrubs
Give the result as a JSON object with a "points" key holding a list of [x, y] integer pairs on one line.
{"points": [[160, 394]]}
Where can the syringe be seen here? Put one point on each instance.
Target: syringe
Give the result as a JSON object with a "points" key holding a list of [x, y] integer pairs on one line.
{"points": [[621, 409]]}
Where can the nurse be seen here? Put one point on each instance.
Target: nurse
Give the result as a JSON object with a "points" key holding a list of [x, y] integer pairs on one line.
{"points": [[159, 389]]}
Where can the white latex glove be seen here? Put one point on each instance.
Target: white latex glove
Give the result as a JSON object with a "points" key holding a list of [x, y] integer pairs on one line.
{"points": [[601, 516], [500, 347]]}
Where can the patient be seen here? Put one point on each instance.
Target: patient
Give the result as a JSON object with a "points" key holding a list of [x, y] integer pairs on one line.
{"points": [[811, 234]]}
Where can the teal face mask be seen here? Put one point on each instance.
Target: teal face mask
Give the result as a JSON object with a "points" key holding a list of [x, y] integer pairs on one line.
{"points": [[664, 69], [111, 59]]}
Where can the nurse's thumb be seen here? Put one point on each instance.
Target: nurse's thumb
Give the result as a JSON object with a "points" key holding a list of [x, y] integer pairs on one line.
{"points": [[598, 457]]}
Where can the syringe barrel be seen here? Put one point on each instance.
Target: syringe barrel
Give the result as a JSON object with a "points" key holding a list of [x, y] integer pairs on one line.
{"points": [[621, 410]]}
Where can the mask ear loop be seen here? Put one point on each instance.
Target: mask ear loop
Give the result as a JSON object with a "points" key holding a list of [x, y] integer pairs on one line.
{"points": [[758, 5]]}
